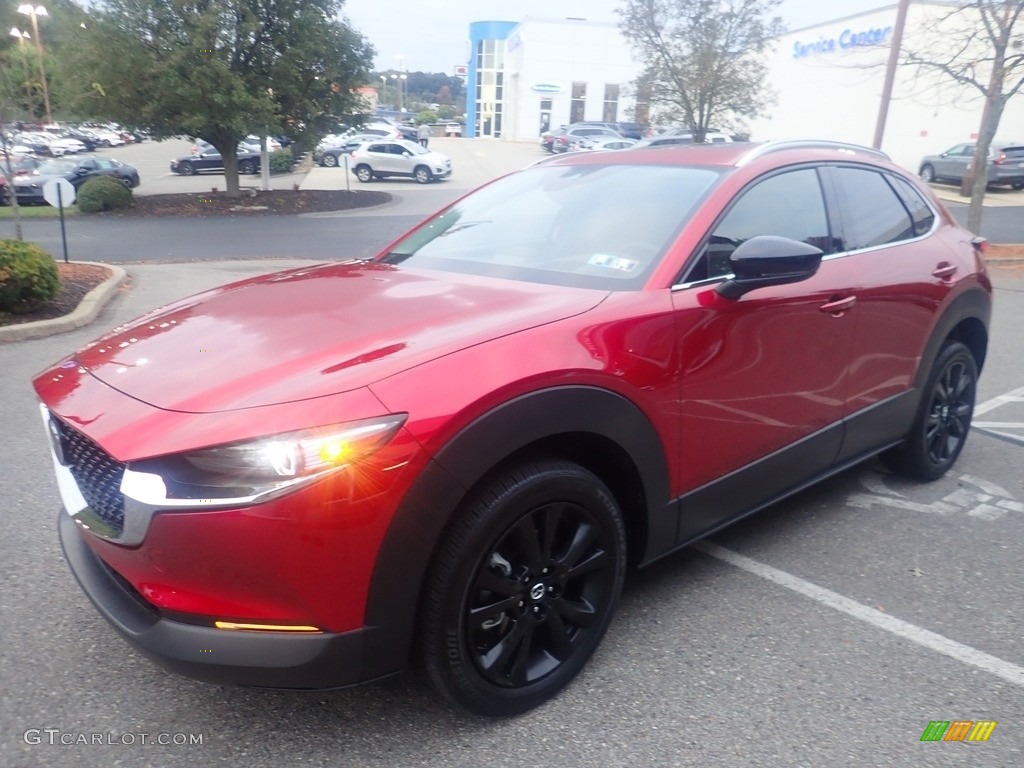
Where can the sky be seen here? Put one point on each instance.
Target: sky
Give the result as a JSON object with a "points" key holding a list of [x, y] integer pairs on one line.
{"points": [[432, 35]]}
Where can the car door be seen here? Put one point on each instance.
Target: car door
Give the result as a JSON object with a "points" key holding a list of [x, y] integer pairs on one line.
{"points": [[764, 376], [905, 275], [952, 164], [209, 160], [379, 157], [84, 171]]}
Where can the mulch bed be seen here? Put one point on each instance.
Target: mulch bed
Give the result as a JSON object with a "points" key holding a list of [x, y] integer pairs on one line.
{"points": [[76, 280], [275, 202]]}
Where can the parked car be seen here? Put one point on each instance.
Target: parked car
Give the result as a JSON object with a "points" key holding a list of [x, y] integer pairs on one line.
{"points": [[561, 138], [451, 452], [634, 131], [591, 144], [398, 157], [38, 143], [328, 152], [452, 129], [252, 144], [209, 159], [77, 170], [89, 140], [1005, 164], [677, 139]]}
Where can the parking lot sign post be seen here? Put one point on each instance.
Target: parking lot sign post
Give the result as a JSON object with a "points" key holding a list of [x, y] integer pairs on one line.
{"points": [[57, 192]]}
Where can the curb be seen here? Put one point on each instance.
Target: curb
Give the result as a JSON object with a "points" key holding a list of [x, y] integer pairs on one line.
{"points": [[84, 313]]}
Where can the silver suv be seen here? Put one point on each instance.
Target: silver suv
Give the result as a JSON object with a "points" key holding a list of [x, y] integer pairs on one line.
{"points": [[1005, 164], [398, 157]]}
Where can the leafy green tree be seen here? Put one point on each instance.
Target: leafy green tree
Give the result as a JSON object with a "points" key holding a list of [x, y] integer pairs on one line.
{"points": [[221, 69], [703, 58]]}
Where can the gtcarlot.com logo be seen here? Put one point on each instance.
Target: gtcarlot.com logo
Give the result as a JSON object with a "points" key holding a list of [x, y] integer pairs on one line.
{"points": [[55, 736]]}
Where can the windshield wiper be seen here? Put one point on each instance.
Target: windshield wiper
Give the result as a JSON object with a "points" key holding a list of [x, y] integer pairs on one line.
{"points": [[463, 225]]}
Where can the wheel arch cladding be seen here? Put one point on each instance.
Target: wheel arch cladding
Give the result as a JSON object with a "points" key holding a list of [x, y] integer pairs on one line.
{"points": [[966, 320], [596, 428]]}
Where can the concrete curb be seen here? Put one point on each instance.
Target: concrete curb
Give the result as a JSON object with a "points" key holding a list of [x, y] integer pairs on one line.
{"points": [[84, 313]]}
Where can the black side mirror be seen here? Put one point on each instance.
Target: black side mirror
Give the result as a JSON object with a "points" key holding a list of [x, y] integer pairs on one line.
{"points": [[768, 260]]}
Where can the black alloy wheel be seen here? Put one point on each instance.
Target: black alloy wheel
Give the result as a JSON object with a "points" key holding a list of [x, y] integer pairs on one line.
{"points": [[188, 169], [523, 588], [247, 167], [943, 419]]}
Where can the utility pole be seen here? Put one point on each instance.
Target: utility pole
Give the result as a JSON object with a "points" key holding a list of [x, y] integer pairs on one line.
{"points": [[890, 72]]}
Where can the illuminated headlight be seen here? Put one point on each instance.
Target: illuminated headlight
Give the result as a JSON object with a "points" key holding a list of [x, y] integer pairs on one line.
{"points": [[256, 470]]}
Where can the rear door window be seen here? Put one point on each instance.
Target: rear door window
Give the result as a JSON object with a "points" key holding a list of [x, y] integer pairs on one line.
{"points": [[872, 212]]}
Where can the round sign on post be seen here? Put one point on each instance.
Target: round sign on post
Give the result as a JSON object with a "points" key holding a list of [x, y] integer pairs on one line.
{"points": [[67, 192]]}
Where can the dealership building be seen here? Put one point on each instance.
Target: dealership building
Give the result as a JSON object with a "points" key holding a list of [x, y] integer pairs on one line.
{"points": [[826, 80]]}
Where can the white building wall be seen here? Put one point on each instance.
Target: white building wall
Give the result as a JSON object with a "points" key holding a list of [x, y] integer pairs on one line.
{"points": [[827, 86], [558, 52]]}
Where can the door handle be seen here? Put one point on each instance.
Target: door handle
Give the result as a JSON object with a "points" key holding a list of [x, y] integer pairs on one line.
{"points": [[837, 307], [944, 270]]}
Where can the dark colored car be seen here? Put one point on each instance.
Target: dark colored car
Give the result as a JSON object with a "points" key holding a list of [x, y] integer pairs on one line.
{"points": [[92, 143], [77, 170], [451, 452], [1005, 164], [634, 131], [209, 159]]}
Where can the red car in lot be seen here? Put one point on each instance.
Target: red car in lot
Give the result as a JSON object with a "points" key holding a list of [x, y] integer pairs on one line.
{"points": [[459, 446]]}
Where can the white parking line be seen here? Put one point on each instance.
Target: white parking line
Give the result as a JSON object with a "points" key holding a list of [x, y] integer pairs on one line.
{"points": [[1005, 670], [1014, 396]]}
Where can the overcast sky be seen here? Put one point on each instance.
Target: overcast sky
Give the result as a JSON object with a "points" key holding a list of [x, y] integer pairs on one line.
{"points": [[431, 35]]}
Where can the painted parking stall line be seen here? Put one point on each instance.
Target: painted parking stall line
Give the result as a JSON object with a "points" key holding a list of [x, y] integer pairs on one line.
{"points": [[1005, 670], [1011, 431]]}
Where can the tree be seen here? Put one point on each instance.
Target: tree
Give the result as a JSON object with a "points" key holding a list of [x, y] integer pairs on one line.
{"points": [[703, 64], [221, 69], [979, 46]]}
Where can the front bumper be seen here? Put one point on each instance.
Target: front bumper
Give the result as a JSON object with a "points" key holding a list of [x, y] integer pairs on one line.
{"points": [[260, 659]]}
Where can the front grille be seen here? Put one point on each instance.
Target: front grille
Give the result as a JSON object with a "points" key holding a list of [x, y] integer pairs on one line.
{"points": [[97, 474]]}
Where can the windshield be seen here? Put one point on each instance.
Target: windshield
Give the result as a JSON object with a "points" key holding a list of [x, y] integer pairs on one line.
{"points": [[56, 168], [593, 226]]}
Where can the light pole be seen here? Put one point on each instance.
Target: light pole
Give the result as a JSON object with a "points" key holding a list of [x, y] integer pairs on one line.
{"points": [[35, 11], [383, 91], [22, 36]]}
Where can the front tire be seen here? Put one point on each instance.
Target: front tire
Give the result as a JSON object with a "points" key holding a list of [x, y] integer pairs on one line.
{"points": [[423, 175], [927, 174], [1018, 185], [187, 169], [943, 417], [523, 588]]}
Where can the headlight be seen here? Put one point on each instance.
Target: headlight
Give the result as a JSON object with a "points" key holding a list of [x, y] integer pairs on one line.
{"points": [[256, 470]]}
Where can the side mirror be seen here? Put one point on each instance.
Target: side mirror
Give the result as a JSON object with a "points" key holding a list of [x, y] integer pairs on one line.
{"points": [[81, 171], [768, 260]]}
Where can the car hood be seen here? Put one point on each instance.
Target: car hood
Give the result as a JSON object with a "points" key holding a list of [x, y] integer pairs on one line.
{"points": [[312, 332]]}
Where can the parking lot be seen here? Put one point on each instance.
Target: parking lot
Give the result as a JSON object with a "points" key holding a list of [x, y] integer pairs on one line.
{"points": [[829, 630]]}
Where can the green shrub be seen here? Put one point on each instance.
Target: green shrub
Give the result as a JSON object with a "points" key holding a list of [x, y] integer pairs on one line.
{"points": [[103, 193], [281, 161], [426, 117], [28, 276]]}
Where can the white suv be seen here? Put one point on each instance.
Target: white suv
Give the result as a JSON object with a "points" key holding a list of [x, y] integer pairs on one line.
{"points": [[398, 157]]}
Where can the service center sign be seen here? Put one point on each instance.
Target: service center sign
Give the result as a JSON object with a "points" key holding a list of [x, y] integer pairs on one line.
{"points": [[847, 40]]}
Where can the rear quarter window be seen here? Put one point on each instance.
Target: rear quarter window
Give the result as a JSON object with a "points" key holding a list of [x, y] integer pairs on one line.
{"points": [[872, 213]]}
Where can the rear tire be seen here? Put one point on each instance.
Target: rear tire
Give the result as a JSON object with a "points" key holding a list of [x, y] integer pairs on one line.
{"points": [[330, 161], [1017, 185], [943, 418], [247, 167], [364, 173], [523, 588]]}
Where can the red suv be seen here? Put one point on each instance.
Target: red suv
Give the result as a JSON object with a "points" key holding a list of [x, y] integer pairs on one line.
{"points": [[458, 447]]}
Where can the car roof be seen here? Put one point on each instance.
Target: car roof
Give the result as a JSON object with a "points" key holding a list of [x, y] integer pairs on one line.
{"points": [[729, 155]]}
